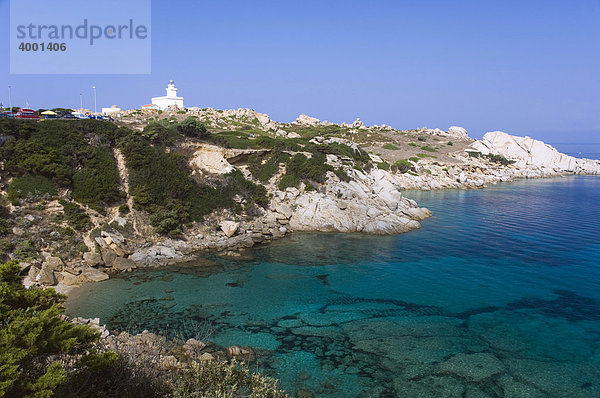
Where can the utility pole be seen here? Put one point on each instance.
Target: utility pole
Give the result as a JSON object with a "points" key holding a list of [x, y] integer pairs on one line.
{"points": [[9, 100], [94, 87]]}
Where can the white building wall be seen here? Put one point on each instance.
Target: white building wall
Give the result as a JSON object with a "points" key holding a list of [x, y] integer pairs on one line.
{"points": [[171, 99]]}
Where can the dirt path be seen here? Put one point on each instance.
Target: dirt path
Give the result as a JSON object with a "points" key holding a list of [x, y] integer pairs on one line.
{"points": [[124, 179]]}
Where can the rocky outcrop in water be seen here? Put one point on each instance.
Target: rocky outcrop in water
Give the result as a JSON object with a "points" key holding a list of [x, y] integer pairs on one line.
{"points": [[530, 153], [370, 203]]}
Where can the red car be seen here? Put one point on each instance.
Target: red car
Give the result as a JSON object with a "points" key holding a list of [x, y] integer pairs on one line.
{"points": [[26, 114]]}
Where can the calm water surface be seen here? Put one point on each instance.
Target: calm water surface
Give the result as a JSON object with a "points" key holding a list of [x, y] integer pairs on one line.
{"points": [[498, 295]]}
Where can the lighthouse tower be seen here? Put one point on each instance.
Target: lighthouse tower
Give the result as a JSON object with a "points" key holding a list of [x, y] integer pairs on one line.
{"points": [[171, 99]]}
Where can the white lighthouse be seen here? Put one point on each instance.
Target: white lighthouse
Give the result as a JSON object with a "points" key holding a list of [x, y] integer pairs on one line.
{"points": [[171, 99]]}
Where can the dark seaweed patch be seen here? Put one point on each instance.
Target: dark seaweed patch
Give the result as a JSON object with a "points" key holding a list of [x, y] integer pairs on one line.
{"points": [[568, 305]]}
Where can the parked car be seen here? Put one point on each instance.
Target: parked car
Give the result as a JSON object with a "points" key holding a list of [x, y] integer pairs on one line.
{"points": [[79, 115], [98, 117], [25, 113], [9, 115], [69, 116]]}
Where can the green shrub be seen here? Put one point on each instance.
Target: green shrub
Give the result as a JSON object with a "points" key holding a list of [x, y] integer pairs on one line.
{"points": [[450, 143], [166, 222], [160, 184], [97, 183], [191, 127], [391, 147], [268, 169], [236, 184], [73, 154], [343, 150], [499, 159], [428, 148], [403, 166], [124, 208], [305, 169], [221, 379], [30, 186], [219, 140], [342, 175], [24, 249], [383, 166], [424, 155], [254, 165], [6, 247], [288, 181], [474, 154], [34, 337], [412, 143], [4, 216], [421, 138], [232, 139], [74, 215], [264, 142], [414, 159]]}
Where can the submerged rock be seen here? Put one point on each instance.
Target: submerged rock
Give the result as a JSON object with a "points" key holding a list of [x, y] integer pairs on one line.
{"points": [[93, 275], [474, 367]]}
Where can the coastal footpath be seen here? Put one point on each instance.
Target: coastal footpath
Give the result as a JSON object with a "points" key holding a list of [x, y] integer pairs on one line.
{"points": [[85, 199]]}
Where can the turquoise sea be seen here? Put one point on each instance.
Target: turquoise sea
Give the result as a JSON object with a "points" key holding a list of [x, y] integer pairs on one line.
{"points": [[497, 295]]}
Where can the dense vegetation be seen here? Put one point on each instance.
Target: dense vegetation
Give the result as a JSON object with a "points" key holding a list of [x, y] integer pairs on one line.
{"points": [[78, 156], [160, 184], [30, 187], [44, 355], [34, 341], [69, 154]]}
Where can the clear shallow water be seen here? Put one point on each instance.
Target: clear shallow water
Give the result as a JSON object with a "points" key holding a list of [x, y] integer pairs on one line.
{"points": [[497, 295]]}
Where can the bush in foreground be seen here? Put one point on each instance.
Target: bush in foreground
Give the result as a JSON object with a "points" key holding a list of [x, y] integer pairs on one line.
{"points": [[210, 379], [34, 339], [44, 355]]}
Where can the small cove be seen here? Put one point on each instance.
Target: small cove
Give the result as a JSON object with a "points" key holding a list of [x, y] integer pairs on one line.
{"points": [[498, 294]]}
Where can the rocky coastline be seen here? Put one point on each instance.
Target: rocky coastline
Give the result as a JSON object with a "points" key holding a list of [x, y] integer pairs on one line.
{"points": [[351, 198]]}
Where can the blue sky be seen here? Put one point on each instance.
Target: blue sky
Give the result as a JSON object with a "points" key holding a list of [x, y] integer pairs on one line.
{"points": [[524, 67]]}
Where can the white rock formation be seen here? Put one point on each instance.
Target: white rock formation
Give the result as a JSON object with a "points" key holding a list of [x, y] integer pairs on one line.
{"points": [[458, 132], [229, 227], [370, 203], [527, 153], [210, 161], [307, 120]]}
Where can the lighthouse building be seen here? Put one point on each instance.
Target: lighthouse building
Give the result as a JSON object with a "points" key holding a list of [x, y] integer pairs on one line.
{"points": [[171, 99]]}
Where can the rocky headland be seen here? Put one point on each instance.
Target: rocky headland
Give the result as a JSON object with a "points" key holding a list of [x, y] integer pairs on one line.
{"points": [[307, 175]]}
